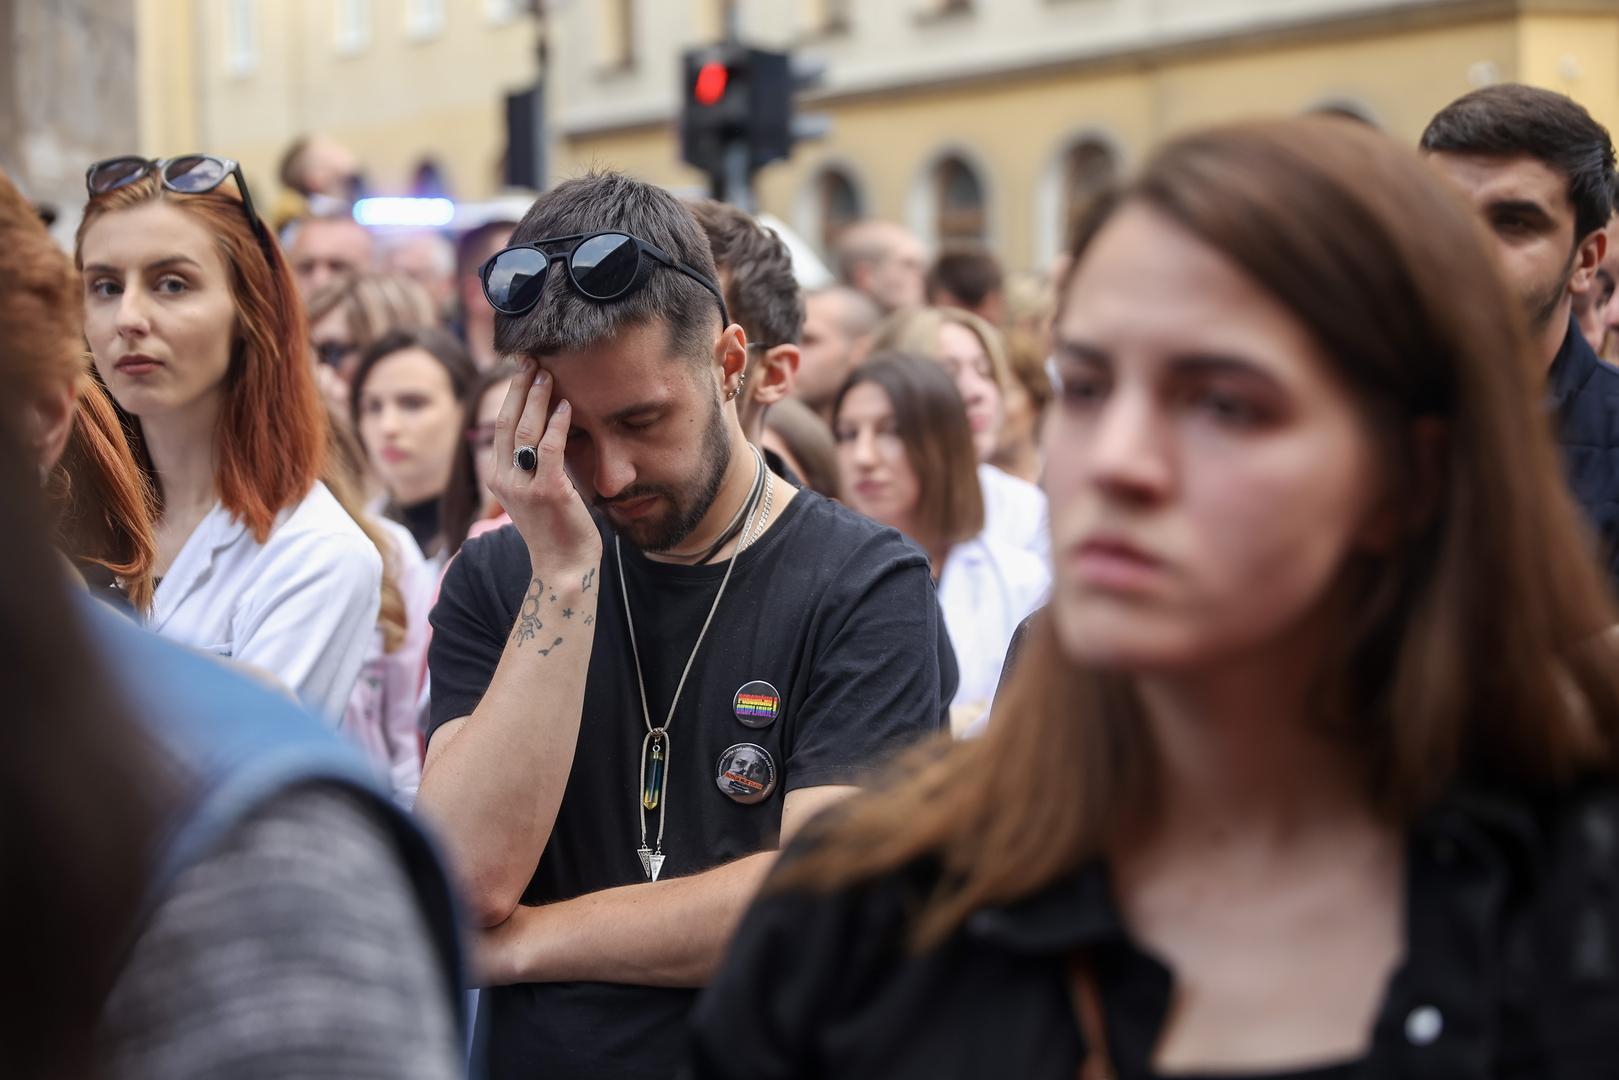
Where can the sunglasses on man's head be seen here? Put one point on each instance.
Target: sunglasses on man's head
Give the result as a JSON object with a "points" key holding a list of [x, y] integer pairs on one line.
{"points": [[602, 266], [189, 174]]}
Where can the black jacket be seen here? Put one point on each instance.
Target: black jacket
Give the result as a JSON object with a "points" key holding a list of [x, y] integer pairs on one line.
{"points": [[1584, 394], [1511, 968]]}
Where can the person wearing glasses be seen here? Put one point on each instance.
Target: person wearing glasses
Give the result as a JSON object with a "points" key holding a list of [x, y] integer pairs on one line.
{"points": [[1310, 770], [195, 328], [631, 709], [351, 314]]}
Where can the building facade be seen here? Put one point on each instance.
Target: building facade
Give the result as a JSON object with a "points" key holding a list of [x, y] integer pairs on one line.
{"points": [[970, 120]]}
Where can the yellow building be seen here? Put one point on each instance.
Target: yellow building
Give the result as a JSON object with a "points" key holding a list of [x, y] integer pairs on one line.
{"points": [[966, 119]]}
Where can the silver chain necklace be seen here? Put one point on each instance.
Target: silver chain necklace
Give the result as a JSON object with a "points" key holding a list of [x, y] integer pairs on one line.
{"points": [[655, 745]]}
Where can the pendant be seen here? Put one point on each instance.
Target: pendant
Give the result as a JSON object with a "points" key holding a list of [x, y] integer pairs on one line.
{"points": [[651, 862], [652, 779]]}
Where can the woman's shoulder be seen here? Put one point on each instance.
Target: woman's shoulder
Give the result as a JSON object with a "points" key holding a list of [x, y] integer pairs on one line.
{"points": [[319, 520]]}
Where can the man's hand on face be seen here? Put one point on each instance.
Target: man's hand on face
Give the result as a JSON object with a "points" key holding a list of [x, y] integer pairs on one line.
{"points": [[543, 503]]}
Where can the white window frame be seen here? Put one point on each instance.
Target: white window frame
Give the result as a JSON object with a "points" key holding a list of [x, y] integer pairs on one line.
{"points": [[241, 38], [352, 34], [500, 12], [424, 19]]}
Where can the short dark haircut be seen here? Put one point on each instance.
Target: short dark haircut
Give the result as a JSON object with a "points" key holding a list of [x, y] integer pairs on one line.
{"points": [[1511, 119], [762, 293], [439, 344], [931, 421], [969, 276], [564, 321]]}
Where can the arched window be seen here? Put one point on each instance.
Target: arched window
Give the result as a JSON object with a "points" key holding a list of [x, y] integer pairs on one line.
{"points": [[958, 199], [1090, 168], [837, 204]]}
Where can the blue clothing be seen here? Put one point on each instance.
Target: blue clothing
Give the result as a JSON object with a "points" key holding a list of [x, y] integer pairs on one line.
{"points": [[1584, 395]]}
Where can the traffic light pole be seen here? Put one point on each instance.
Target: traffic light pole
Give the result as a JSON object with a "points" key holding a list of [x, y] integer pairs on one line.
{"points": [[736, 181]]}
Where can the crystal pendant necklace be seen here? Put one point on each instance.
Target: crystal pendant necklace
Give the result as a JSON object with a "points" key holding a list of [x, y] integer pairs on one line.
{"points": [[655, 746]]}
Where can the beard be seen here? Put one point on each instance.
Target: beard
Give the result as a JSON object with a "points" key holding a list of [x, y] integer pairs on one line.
{"points": [[687, 506], [1542, 303]]}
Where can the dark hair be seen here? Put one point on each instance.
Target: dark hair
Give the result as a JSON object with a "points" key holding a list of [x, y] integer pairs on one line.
{"points": [[82, 799], [969, 276], [809, 440], [932, 424], [463, 499], [1472, 651], [1512, 119], [564, 321], [290, 170], [439, 344], [761, 291], [470, 246]]}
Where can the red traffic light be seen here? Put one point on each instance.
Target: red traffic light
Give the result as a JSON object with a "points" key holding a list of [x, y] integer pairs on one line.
{"points": [[711, 80]]}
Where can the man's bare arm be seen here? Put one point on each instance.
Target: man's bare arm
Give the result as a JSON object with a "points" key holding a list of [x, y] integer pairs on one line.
{"points": [[663, 933]]}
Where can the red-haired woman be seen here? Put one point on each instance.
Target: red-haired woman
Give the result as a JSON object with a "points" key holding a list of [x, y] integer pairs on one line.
{"points": [[1311, 768], [103, 515], [195, 328]]}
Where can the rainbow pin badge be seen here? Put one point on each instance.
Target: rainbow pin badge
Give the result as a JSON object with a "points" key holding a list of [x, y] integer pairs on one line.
{"points": [[756, 704]]}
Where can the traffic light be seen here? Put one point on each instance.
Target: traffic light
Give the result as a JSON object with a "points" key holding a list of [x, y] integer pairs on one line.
{"points": [[737, 113]]}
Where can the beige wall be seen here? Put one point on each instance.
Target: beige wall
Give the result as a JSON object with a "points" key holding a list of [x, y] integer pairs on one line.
{"points": [[1016, 128]]}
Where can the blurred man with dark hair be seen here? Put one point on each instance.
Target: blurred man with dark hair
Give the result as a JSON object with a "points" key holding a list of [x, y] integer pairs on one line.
{"points": [[1595, 310], [325, 250], [885, 261], [838, 324], [476, 323], [756, 275], [1541, 173], [971, 281]]}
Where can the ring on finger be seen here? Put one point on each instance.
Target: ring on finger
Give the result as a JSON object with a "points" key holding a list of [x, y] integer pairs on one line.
{"points": [[526, 458]]}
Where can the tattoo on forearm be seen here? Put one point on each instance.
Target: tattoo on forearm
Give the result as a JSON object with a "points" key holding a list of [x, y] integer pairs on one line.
{"points": [[590, 579], [547, 652], [567, 613], [528, 622]]}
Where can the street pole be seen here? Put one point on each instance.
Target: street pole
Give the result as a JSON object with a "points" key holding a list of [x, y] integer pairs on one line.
{"points": [[736, 181]]}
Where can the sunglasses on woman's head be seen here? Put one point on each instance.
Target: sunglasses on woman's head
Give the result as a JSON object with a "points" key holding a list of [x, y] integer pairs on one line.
{"points": [[602, 266], [189, 174]]}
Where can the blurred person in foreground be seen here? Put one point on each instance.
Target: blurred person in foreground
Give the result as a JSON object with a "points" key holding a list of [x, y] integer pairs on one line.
{"points": [[1541, 174], [885, 261], [906, 459], [1309, 770], [326, 250], [195, 328], [611, 808], [974, 354], [353, 313], [100, 502], [970, 280], [838, 324], [803, 443], [406, 406], [210, 884], [756, 277], [428, 259], [474, 323]]}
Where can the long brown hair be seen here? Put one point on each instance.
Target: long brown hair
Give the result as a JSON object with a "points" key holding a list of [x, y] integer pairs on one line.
{"points": [[99, 497], [932, 425], [1473, 651], [270, 439]]}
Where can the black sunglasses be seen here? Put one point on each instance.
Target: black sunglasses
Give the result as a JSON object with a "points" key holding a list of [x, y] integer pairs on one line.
{"points": [[189, 174], [600, 266]]}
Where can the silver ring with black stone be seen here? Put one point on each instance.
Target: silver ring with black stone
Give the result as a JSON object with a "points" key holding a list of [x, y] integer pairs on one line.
{"points": [[526, 458]]}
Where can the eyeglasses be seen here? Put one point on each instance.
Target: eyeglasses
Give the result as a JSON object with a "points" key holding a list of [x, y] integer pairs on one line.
{"points": [[190, 174], [602, 266]]}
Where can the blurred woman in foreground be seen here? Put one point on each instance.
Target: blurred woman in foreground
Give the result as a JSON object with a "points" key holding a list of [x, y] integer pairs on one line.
{"points": [[1309, 770]]}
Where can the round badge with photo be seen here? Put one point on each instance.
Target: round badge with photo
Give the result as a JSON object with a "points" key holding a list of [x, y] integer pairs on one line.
{"points": [[756, 704], [745, 773]]}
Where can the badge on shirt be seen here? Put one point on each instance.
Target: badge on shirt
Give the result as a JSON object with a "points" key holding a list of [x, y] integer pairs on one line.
{"points": [[756, 704], [745, 773]]}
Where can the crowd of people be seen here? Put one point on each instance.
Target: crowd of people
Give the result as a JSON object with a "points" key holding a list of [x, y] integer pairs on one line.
{"points": [[1197, 662]]}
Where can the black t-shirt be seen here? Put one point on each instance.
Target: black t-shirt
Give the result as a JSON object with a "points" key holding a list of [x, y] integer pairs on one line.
{"points": [[829, 636]]}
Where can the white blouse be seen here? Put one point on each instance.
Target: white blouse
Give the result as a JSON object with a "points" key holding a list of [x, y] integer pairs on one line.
{"points": [[1015, 512], [300, 607], [986, 589]]}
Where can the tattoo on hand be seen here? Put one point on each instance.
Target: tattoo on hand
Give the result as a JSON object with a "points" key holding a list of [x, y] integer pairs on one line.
{"points": [[528, 623]]}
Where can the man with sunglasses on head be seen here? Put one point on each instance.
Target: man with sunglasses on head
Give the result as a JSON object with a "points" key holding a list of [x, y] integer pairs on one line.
{"points": [[633, 708]]}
